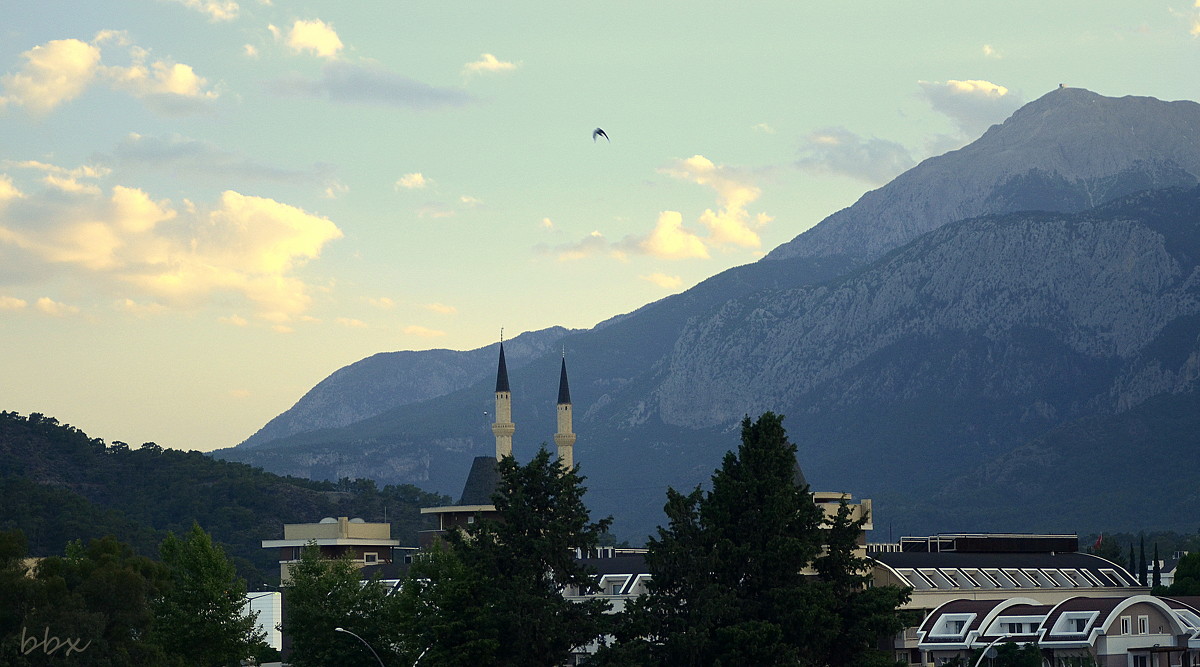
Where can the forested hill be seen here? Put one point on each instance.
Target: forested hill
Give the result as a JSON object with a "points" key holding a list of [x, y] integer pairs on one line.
{"points": [[57, 484]]}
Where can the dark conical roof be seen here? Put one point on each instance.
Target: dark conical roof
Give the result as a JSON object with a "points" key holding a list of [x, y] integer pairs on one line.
{"points": [[502, 373], [564, 392], [481, 482]]}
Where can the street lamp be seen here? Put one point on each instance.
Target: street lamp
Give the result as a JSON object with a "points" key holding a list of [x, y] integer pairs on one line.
{"points": [[364, 644], [995, 641]]}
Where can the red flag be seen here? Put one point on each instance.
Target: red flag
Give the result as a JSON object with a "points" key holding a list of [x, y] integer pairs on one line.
{"points": [[1098, 541]]}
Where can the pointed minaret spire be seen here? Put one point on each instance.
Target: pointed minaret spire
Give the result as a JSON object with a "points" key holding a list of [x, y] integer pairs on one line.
{"points": [[503, 428], [565, 438]]}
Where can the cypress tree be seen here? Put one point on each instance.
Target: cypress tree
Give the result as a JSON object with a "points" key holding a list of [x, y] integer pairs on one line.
{"points": [[1157, 578], [1141, 572]]}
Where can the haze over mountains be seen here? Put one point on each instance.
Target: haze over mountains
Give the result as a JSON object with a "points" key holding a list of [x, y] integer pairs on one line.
{"points": [[1026, 296]]}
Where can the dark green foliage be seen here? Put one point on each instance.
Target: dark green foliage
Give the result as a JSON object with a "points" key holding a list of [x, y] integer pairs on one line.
{"points": [[57, 484], [200, 608], [327, 594], [495, 595], [1187, 576], [728, 586], [1156, 579], [1141, 564], [1106, 547]]}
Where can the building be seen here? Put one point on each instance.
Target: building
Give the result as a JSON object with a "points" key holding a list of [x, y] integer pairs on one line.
{"points": [[1127, 630], [971, 588], [476, 498], [364, 543]]}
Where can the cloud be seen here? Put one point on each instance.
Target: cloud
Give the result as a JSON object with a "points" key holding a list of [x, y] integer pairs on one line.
{"points": [[217, 10], [423, 332], [349, 83], [670, 240], [973, 105], [663, 280], [55, 72], [413, 181], [12, 303], [335, 189], [731, 224], [54, 308], [441, 308], [142, 249], [8, 190], [382, 302], [139, 309], [178, 155], [239, 393], [763, 127], [235, 320], [591, 245], [316, 37], [546, 223], [351, 323], [250, 50], [61, 70], [837, 150], [488, 63], [990, 52]]}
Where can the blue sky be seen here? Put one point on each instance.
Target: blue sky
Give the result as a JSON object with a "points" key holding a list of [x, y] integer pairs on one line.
{"points": [[207, 206]]}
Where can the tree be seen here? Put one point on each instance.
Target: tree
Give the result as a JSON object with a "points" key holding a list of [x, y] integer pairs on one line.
{"points": [[1187, 576], [1156, 578], [728, 582], [1141, 565], [495, 594], [200, 616], [325, 594]]}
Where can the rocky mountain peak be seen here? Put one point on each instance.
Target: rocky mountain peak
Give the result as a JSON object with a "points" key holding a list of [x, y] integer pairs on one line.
{"points": [[1069, 150]]}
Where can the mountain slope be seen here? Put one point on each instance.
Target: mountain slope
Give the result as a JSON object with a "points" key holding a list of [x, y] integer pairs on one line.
{"points": [[1069, 150]]}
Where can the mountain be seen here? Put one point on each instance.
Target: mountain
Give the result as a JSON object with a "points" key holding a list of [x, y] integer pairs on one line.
{"points": [[1043, 275], [391, 379], [1069, 150]]}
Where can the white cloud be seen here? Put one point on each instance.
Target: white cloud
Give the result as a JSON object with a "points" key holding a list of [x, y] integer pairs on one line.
{"points": [[351, 323], [235, 320], [316, 37], [177, 154], [488, 63], [837, 150], [413, 181], [55, 72], [139, 309], [670, 240], [61, 70], [217, 10], [239, 393], [335, 189], [973, 105], [423, 332], [590, 245], [441, 308], [12, 303], [8, 190], [250, 50], [382, 302], [991, 52], [547, 223], [663, 280], [763, 127], [731, 224], [54, 308], [146, 250]]}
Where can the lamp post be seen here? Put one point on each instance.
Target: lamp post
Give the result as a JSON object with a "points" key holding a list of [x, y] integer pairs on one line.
{"points": [[995, 641], [364, 644]]}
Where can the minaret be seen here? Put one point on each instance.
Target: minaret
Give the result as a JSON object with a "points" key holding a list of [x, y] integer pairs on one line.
{"points": [[503, 428], [565, 438]]}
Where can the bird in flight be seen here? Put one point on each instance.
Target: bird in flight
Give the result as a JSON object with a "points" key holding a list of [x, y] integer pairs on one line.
{"points": [[600, 133]]}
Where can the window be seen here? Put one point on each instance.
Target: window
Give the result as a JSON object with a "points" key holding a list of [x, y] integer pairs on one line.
{"points": [[1143, 625], [470, 519], [1125, 625], [957, 626], [616, 589], [1141, 661], [370, 558], [1080, 624]]}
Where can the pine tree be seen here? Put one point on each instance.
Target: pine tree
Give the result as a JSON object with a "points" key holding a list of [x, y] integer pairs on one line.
{"points": [[728, 584], [1141, 570], [495, 596]]}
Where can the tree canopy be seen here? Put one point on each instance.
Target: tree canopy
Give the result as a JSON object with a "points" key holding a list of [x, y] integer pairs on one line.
{"points": [[751, 572]]}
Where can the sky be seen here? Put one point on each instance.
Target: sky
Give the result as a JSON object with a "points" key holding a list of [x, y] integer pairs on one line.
{"points": [[208, 206]]}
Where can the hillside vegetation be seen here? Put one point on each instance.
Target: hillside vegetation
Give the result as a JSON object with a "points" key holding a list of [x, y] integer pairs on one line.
{"points": [[57, 484]]}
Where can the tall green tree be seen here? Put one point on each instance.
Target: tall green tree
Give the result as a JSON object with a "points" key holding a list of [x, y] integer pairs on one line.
{"points": [[199, 615], [495, 594], [323, 595], [737, 576], [1187, 576]]}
